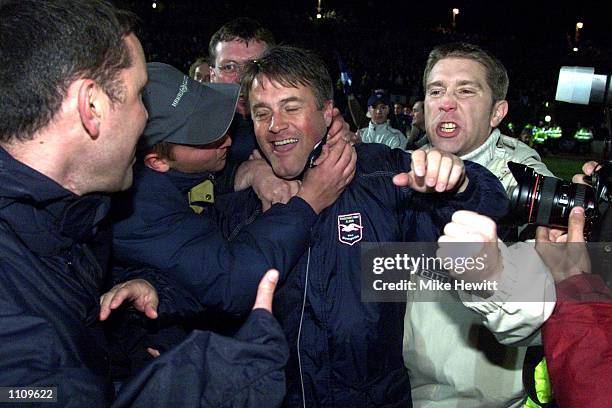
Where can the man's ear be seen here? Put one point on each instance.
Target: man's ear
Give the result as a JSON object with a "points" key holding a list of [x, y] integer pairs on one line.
{"points": [[500, 110], [90, 104], [154, 162], [213, 73], [328, 108]]}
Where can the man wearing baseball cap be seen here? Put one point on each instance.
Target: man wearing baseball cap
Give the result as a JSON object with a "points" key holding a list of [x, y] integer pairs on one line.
{"points": [[167, 220], [378, 130]]}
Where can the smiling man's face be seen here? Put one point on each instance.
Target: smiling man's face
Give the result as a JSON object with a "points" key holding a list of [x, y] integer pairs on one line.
{"points": [[288, 124]]}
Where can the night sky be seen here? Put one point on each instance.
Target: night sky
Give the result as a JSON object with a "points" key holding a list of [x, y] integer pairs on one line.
{"points": [[532, 19]]}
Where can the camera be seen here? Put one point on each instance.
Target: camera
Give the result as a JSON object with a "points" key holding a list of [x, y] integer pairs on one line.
{"points": [[547, 201], [582, 86]]}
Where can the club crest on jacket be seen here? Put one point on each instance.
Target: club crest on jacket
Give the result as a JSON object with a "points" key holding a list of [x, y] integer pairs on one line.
{"points": [[350, 228]]}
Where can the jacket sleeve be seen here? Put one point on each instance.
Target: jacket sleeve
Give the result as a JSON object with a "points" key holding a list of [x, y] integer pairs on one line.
{"points": [[210, 370], [174, 301], [578, 343], [395, 140], [520, 306], [220, 273], [484, 194], [41, 359], [524, 299], [426, 214]]}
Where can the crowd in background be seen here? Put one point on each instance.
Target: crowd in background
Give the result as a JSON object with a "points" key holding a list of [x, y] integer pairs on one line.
{"points": [[391, 56]]}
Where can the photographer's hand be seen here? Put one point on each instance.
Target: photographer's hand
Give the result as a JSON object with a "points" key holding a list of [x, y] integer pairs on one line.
{"points": [[564, 252], [587, 168]]}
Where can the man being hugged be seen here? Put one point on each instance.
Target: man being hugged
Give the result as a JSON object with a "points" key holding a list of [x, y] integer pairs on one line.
{"points": [[347, 352]]}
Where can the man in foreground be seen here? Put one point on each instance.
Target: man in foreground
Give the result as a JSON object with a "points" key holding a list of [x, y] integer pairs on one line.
{"points": [[165, 221], [67, 138], [465, 100], [347, 352]]}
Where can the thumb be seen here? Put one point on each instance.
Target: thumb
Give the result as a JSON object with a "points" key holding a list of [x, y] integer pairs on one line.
{"points": [[265, 291], [575, 227], [401, 180]]}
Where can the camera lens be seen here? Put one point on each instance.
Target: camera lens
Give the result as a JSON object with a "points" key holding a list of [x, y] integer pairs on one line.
{"points": [[544, 200]]}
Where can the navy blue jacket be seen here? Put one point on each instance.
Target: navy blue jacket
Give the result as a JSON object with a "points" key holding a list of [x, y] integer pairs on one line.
{"points": [[52, 272], [156, 227], [344, 352]]}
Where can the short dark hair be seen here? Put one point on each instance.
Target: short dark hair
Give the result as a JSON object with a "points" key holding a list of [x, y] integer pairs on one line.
{"points": [[242, 28], [291, 67], [496, 74], [163, 150], [45, 46]]}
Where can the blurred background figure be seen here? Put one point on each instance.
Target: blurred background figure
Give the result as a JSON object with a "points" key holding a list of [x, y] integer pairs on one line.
{"points": [[379, 130], [200, 70], [399, 119], [417, 137]]}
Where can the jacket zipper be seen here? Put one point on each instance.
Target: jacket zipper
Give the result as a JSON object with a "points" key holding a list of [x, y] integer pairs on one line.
{"points": [[300, 329]]}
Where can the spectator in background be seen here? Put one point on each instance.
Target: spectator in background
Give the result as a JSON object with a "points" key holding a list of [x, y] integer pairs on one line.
{"points": [[200, 70], [417, 137], [237, 42], [399, 120], [407, 111], [379, 130]]}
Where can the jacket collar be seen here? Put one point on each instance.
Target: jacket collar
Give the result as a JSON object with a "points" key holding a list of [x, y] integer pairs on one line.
{"points": [[374, 127], [182, 181], [485, 152], [46, 216]]}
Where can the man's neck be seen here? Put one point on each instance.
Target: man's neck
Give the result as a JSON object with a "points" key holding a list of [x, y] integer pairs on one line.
{"points": [[47, 158]]}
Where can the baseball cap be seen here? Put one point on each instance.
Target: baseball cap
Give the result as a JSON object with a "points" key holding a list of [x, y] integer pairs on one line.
{"points": [[378, 97], [185, 111]]}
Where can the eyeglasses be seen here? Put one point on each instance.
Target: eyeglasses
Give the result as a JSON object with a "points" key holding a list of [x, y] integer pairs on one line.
{"points": [[230, 68]]}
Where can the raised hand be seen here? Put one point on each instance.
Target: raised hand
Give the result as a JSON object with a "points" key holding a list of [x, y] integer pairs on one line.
{"points": [[433, 170]]}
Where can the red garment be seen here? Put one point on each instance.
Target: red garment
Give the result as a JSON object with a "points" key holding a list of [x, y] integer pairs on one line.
{"points": [[577, 342]]}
